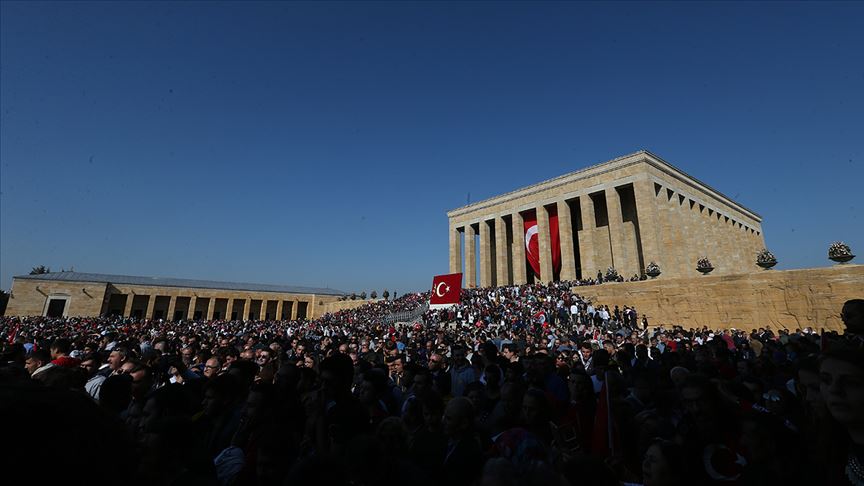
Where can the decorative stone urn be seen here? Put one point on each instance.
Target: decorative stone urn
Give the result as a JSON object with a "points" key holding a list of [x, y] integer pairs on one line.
{"points": [[766, 259], [704, 266], [840, 252], [842, 258]]}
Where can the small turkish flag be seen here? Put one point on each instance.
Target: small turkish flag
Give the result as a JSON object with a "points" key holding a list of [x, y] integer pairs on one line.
{"points": [[446, 290]]}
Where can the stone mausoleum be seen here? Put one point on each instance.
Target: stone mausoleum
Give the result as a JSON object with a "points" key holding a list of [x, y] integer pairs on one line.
{"points": [[623, 213], [71, 294]]}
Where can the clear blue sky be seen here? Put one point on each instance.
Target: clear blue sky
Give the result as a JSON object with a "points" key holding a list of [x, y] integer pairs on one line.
{"points": [[321, 144]]}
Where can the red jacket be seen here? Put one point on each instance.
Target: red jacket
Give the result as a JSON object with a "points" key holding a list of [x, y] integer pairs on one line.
{"points": [[67, 362]]}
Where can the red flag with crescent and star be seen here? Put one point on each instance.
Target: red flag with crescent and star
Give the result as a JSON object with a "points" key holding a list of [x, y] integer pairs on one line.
{"points": [[532, 243], [446, 290]]}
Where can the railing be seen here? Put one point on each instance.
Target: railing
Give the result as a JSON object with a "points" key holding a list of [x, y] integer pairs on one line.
{"points": [[406, 316]]}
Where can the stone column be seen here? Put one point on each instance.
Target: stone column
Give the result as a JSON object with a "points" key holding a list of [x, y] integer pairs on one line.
{"points": [[670, 262], [211, 307], [262, 314], [712, 250], [455, 250], [294, 307], [485, 255], [127, 310], [190, 312], [586, 237], [721, 250], [565, 234], [470, 259], [545, 245], [649, 222], [754, 244], [734, 249], [723, 262], [518, 261], [151, 306], [689, 244], [702, 233], [682, 265], [229, 308], [247, 309], [279, 310], [502, 276], [751, 250], [172, 305], [616, 231], [748, 254], [735, 240]]}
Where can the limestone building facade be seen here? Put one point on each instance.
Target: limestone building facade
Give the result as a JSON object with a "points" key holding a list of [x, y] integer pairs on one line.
{"points": [[623, 213], [73, 294]]}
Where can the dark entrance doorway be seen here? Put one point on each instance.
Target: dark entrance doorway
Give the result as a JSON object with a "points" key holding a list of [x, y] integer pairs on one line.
{"points": [[56, 307]]}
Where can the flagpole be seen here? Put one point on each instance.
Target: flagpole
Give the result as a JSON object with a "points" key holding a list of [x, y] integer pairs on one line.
{"points": [[608, 413]]}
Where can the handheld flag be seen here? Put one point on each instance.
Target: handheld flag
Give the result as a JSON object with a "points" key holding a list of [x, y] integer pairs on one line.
{"points": [[446, 290]]}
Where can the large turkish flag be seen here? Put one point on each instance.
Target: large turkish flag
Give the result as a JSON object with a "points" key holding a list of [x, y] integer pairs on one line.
{"points": [[446, 290], [532, 244], [555, 240]]}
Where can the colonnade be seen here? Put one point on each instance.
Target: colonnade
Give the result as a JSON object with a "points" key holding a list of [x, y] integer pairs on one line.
{"points": [[207, 307], [624, 226]]}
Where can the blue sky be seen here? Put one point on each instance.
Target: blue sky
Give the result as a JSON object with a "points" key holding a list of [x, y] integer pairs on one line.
{"points": [[322, 143]]}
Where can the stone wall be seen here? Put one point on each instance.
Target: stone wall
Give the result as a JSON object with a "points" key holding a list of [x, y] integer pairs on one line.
{"points": [[782, 299], [30, 297], [344, 304]]}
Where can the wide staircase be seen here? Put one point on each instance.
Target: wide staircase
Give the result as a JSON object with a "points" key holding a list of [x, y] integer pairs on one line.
{"points": [[407, 317]]}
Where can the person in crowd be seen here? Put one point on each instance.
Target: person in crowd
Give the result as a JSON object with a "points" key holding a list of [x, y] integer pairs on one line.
{"points": [[38, 363], [90, 367], [528, 384], [853, 318], [461, 372], [118, 356], [212, 368], [462, 460], [60, 350]]}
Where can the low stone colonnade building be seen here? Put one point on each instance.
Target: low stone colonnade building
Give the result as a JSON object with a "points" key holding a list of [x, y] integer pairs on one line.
{"points": [[623, 213], [75, 294]]}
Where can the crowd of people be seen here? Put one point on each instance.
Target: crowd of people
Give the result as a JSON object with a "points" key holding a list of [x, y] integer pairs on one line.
{"points": [[527, 384]]}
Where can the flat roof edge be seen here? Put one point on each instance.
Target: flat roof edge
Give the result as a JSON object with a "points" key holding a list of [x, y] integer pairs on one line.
{"points": [[646, 156], [191, 284]]}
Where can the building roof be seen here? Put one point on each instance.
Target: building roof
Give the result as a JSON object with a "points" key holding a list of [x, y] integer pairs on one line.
{"points": [[177, 282], [640, 156]]}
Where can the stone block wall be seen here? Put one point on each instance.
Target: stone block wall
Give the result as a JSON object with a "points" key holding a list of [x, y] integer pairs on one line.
{"points": [[338, 305], [782, 299], [29, 297]]}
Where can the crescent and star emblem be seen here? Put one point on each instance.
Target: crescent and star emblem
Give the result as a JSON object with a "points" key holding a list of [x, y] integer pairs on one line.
{"points": [[533, 230], [438, 289]]}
